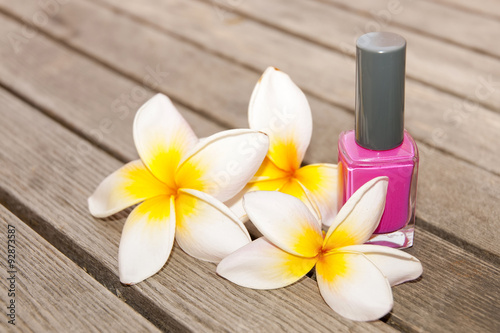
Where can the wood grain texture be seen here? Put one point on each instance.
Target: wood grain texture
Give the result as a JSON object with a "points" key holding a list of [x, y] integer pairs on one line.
{"points": [[50, 171], [445, 121], [187, 289], [454, 124], [483, 7], [466, 29], [226, 102], [53, 294], [437, 119], [446, 66], [46, 173], [452, 279]]}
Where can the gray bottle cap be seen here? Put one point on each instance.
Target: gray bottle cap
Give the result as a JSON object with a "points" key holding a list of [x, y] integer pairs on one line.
{"points": [[380, 89]]}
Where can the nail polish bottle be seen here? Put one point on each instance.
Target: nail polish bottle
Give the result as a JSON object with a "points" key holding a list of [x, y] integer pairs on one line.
{"points": [[379, 145]]}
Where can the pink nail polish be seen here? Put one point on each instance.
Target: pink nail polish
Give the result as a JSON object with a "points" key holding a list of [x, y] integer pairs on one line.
{"points": [[379, 145]]}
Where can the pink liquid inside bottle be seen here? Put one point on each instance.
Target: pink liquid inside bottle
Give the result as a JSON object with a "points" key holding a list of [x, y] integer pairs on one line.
{"points": [[357, 165], [379, 145]]}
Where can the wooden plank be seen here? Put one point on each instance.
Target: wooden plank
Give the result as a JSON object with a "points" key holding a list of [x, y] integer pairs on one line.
{"points": [[96, 111], [470, 227], [438, 119], [452, 279], [52, 294], [482, 7], [50, 186], [467, 29], [443, 65], [86, 68]]}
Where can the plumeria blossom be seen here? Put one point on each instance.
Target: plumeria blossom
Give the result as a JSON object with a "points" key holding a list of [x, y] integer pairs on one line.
{"points": [[355, 280], [181, 183], [280, 109]]}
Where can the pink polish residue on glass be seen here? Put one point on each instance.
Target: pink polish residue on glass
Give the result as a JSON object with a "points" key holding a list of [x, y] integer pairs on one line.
{"points": [[357, 165]]}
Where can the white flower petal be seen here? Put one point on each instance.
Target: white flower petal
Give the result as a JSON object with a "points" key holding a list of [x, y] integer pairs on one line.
{"points": [[261, 265], [147, 239], [279, 108], [359, 216], [125, 187], [223, 163], [321, 182], [162, 137], [295, 188], [236, 202], [206, 228], [269, 171], [396, 265], [353, 286], [236, 205], [285, 221]]}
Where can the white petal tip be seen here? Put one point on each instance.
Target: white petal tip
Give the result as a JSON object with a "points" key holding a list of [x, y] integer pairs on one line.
{"points": [[135, 278], [99, 212], [128, 281], [382, 181], [94, 208], [417, 271], [373, 313], [376, 313], [270, 70], [127, 284]]}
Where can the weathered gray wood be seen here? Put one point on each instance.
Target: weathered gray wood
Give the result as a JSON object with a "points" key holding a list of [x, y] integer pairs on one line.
{"points": [[53, 185], [435, 118], [452, 279], [53, 294], [49, 184], [449, 67], [438, 119], [468, 29], [483, 7], [423, 319], [444, 196]]}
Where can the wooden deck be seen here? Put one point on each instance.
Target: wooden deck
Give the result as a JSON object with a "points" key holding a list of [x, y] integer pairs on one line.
{"points": [[73, 73]]}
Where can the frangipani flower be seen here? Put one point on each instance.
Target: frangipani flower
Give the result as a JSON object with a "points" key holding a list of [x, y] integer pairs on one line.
{"points": [[181, 183], [354, 279], [280, 109]]}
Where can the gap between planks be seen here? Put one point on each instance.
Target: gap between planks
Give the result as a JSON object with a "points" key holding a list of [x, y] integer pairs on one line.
{"points": [[455, 236], [131, 77], [458, 155], [53, 294], [464, 157], [326, 44], [360, 8], [426, 304], [58, 211]]}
